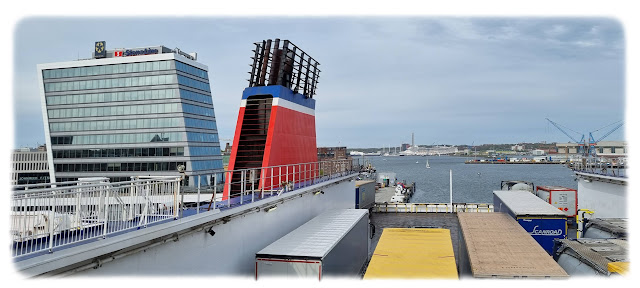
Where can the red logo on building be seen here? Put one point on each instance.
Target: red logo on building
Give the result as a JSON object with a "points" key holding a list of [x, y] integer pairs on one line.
{"points": [[117, 54]]}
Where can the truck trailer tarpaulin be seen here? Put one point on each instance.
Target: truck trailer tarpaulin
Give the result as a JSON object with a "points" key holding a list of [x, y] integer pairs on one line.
{"points": [[493, 245], [334, 243], [365, 194], [413, 253], [540, 219]]}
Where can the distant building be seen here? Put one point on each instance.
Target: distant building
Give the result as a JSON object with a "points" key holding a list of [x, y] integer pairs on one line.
{"points": [[611, 148], [567, 148], [603, 148], [227, 149], [517, 147], [405, 146], [538, 152], [29, 166], [332, 153]]}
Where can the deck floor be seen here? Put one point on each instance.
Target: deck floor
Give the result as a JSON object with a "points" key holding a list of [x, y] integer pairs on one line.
{"points": [[410, 220], [384, 194]]}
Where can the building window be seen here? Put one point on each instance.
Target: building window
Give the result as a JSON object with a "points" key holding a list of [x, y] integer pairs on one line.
{"points": [[119, 110], [116, 83], [102, 167], [108, 69], [122, 138]]}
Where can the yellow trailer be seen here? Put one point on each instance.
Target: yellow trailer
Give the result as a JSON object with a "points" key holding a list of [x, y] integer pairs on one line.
{"points": [[413, 253]]}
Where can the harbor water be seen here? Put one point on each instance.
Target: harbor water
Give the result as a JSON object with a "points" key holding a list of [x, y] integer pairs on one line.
{"points": [[471, 183]]}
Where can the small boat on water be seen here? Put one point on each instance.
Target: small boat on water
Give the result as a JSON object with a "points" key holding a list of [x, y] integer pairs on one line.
{"points": [[417, 162], [428, 164]]}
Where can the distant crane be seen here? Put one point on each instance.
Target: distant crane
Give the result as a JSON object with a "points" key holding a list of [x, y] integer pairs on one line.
{"points": [[587, 147]]}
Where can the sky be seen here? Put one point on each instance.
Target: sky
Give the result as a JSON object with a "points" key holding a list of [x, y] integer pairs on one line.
{"points": [[449, 80]]}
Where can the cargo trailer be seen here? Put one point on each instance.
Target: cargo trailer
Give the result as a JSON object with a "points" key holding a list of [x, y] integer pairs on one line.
{"points": [[413, 253], [540, 219], [605, 228], [565, 199], [494, 245], [334, 243], [516, 185], [587, 256], [365, 194]]}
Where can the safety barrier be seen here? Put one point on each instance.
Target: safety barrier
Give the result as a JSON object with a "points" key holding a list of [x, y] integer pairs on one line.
{"points": [[432, 207], [52, 217], [259, 183]]}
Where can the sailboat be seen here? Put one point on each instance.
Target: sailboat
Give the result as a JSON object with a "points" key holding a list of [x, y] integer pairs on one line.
{"points": [[428, 164]]}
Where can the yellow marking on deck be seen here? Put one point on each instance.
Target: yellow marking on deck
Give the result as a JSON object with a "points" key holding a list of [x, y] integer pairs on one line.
{"points": [[413, 253], [618, 267]]}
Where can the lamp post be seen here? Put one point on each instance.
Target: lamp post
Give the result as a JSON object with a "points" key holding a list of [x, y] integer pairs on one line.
{"points": [[181, 169]]}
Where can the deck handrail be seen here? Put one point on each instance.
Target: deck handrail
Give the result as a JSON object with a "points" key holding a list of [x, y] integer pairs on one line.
{"points": [[46, 219]]}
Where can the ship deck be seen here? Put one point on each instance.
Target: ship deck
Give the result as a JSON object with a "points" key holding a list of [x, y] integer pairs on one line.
{"points": [[413, 220], [384, 194], [423, 220]]}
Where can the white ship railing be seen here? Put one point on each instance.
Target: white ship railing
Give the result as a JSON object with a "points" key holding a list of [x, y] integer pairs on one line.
{"points": [[53, 217], [254, 184], [606, 166], [431, 207]]}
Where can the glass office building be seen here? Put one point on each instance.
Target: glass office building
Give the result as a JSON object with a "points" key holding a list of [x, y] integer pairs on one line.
{"points": [[129, 112]]}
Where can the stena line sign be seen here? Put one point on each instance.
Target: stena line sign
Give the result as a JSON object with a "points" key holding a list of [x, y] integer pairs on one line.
{"points": [[135, 52]]}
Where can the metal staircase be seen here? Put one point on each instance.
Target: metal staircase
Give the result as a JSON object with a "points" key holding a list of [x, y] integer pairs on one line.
{"points": [[253, 137]]}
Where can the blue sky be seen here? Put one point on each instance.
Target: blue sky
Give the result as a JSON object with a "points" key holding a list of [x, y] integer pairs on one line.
{"points": [[449, 80]]}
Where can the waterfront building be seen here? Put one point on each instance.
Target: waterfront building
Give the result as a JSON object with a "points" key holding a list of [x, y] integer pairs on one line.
{"points": [[332, 153], [129, 112], [29, 166], [537, 152], [603, 148]]}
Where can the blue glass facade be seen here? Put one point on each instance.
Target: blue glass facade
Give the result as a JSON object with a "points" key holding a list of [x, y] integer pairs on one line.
{"points": [[117, 119]]}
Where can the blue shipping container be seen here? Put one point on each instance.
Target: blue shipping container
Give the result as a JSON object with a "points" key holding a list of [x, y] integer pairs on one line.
{"points": [[540, 219]]}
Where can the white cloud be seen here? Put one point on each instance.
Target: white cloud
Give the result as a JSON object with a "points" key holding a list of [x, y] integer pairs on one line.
{"points": [[587, 43], [556, 30]]}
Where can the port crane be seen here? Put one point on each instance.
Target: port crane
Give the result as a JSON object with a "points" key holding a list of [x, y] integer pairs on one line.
{"points": [[587, 147]]}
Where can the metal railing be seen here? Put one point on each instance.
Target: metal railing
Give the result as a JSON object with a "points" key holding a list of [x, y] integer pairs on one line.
{"points": [[53, 217], [255, 184], [614, 167], [432, 207], [67, 213]]}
